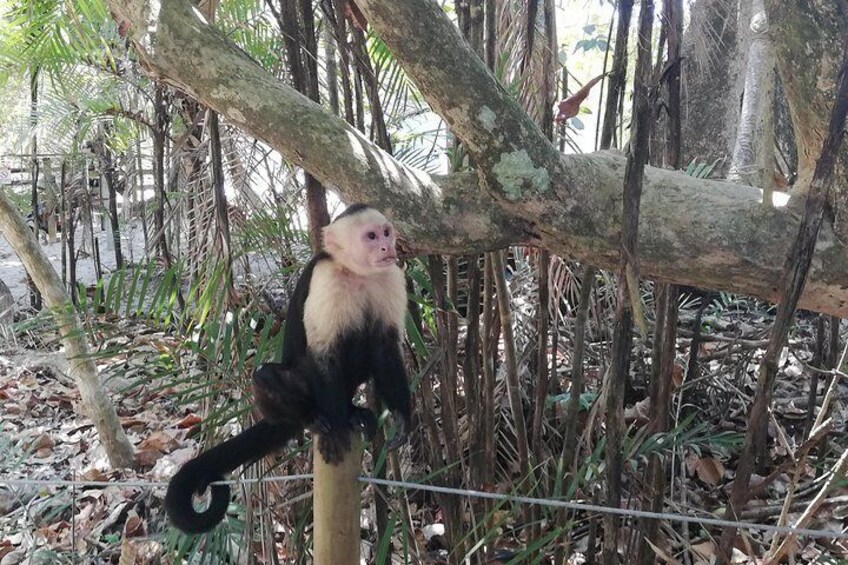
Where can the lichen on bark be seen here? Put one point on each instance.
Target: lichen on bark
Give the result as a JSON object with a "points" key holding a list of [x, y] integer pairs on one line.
{"points": [[516, 173]]}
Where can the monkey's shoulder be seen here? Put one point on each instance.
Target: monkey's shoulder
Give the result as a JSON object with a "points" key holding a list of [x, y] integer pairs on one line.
{"points": [[340, 301]]}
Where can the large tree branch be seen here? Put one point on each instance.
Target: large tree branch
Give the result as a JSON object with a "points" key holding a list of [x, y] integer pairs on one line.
{"points": [[703, 233], [177, 47], [519, 165]]}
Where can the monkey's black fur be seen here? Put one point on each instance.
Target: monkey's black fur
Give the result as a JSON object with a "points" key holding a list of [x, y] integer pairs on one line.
{"points": [[305, 390]]}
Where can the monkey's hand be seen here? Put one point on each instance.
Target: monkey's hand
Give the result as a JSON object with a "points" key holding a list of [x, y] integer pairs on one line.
{"points": [[333, 441], [403, 426], [364, 420]]}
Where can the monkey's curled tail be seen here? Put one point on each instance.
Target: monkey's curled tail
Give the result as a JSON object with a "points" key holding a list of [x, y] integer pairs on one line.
{"points": [[210, 466]]}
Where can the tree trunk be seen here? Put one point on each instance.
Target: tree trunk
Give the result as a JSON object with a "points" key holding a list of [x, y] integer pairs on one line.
{"points": [[618, 75], [109, 177], [452, 477], [107, 166], [808, 38], [159, 174], [797, 268], [7, 309], [94, 399], [34, 297], [753, 154], [712, 77], [627, 291], [223, 242]]}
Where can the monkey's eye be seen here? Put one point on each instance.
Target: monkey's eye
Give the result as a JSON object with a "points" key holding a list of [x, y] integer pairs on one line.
{"points": [[386, 232], [372, 235]]}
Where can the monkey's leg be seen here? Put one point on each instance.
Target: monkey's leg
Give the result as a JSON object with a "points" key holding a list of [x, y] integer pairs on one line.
{"points": [[283, 395], [306, 396], [334, 408]]}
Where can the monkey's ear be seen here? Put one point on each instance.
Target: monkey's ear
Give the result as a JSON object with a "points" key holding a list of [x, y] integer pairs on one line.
{"points": [[331, 240]]}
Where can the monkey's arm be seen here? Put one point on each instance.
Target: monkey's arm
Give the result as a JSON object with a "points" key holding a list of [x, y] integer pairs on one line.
{"points": [[294, 337], [391, 382], [210, 466]]}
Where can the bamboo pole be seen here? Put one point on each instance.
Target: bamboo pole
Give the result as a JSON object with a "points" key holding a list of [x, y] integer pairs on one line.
{"points": [[336, 507]]}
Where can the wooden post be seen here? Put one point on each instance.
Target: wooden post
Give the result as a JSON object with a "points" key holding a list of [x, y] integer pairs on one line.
{"points": [[335, 508]]}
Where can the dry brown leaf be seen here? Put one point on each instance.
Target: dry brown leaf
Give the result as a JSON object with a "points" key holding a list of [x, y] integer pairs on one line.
{"points": [[94, 474], [42, 442], [710, 470], [148, 457], [704, 550], [189, 421], [134, 526], [709, 347], [129, 555], [133, 422], [677, 373], [161, 440], [640, 413], [691, 463], [355, 15], [5, 547], [570, 107], [755, 481]]}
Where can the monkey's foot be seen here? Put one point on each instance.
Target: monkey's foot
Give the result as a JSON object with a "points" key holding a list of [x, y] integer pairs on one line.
{"points": [[334, 445], [333, 439], [403, 426], [363, 419]]}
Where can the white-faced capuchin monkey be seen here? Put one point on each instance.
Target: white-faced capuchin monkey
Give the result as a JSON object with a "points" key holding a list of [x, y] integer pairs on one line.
{"points": [[344, 325]]}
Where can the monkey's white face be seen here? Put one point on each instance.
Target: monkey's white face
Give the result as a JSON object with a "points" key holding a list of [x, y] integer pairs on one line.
{"points": [[364, 243], [376, 244]]}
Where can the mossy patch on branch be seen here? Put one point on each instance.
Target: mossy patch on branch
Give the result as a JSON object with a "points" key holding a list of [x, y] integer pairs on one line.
{"points": [[515, 172]]}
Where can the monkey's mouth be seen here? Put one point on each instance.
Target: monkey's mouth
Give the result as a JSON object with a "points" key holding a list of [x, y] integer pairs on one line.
{"points": [[387, 261]]}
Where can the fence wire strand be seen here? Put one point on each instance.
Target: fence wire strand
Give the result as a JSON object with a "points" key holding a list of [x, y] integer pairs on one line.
{"points": [[406, 485]]}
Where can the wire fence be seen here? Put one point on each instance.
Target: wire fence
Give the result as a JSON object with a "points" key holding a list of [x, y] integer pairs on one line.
{"points": [[407, 485]]}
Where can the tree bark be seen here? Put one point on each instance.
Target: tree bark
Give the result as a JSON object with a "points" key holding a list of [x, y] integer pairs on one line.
{"points": [[702, 233], [618, 74], [753, 154], [223, 241], [7, 309], [104, 155], [159, 134], [712, 66], [808, 42], [94, 399], [627, 290]]}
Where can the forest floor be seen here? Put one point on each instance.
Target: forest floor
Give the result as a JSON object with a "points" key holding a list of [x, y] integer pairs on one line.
{"points": [[44, 437]]}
